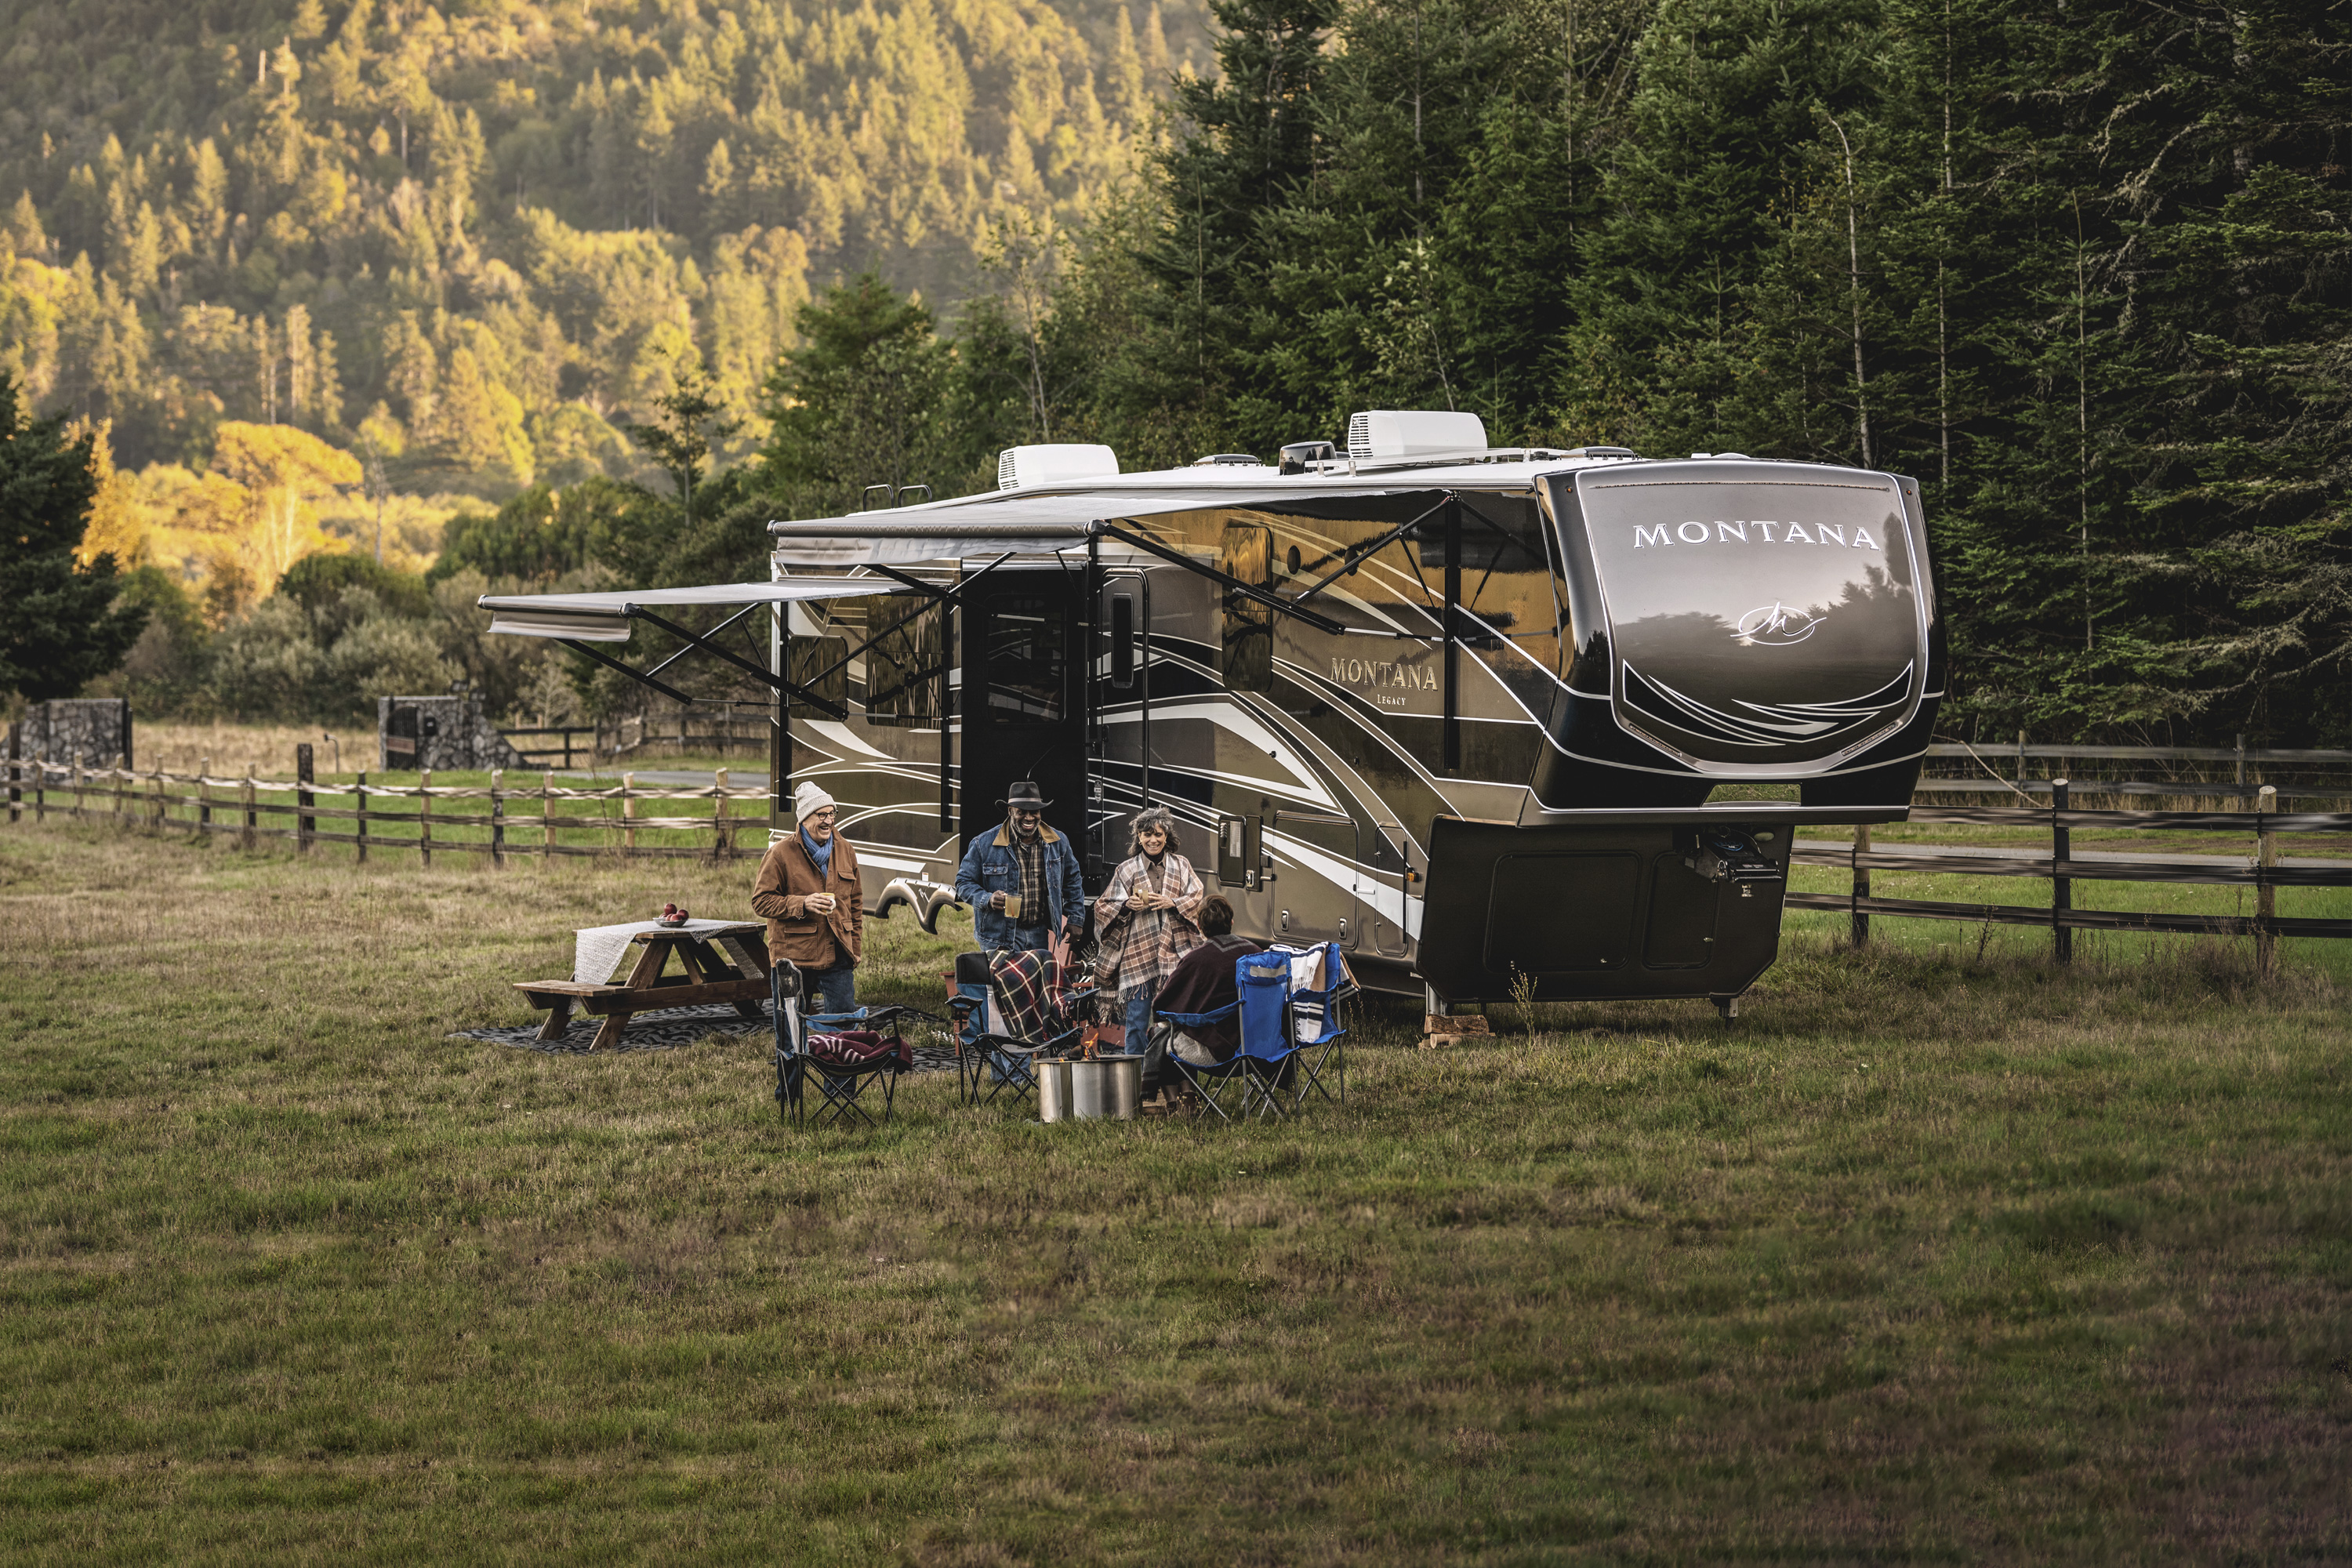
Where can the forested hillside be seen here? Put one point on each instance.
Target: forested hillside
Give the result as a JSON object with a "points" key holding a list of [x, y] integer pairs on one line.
{"points": [[2083, 267], [475, 237]]}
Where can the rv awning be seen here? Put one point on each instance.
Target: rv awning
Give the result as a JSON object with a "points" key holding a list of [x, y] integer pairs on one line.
{"points": [[604, 617], [950, 530]]}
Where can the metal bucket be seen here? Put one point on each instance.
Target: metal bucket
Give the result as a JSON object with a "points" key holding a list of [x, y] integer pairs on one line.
{"points": [[1112, 1088], [1053, 1090]]}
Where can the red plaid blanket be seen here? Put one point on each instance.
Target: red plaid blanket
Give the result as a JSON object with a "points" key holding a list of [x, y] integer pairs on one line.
{"points": [[856, 1047]]}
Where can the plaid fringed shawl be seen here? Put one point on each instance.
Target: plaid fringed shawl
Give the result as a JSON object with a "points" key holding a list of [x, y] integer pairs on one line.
{"points": [[1142, 947]]}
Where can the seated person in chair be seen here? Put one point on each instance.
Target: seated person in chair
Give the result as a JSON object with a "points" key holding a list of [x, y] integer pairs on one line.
{"points": [[1202, 983]]}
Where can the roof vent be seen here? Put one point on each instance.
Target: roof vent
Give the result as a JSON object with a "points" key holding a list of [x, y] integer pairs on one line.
{"points": [[1230, 461], [1413, 433], [1057, 464]]}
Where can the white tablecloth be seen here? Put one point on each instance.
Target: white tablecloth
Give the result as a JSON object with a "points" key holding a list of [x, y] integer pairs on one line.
{"points": [[596, 951]]}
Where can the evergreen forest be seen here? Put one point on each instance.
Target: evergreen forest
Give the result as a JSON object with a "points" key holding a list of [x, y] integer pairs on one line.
{"points": [[587, 292]]}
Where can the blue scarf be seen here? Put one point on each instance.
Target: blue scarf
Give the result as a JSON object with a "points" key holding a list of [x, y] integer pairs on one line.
{"points": [[821, 854]]}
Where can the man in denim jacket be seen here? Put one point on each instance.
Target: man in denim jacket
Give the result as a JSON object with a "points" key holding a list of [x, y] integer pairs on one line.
{"points": [[1021, 882]]}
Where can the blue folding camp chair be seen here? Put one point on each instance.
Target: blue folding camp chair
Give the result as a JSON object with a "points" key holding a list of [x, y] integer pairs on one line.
{"points": [[1268, 1055]]}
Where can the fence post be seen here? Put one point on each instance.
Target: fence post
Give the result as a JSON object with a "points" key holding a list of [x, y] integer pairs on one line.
{"points": [[245, 837], [547, 813], [360, 799], [722, 843], [15, 772], [424, 819], [498, 818], [203, 794], [1860, 888], [121, 772], [41, 790], [2265, 895], [2062, 888], [2241, 797], [162, 812], [305, 824], [2020, 762], [629, 813]]}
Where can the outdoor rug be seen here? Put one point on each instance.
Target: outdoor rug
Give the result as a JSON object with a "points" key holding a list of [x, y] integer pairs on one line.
{"points": [[669, 1027]]}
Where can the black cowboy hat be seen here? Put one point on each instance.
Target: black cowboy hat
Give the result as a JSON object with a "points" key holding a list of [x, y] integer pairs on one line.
{"points": [[1025, 792]]}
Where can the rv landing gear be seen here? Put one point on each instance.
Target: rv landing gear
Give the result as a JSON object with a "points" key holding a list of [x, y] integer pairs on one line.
{"points": [[1726, 1005]]}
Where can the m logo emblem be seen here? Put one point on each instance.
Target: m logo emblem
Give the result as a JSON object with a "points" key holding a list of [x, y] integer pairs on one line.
{"points": [[1775, 624]]}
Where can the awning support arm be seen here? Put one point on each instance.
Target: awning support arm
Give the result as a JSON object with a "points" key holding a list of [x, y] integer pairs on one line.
{"points": [[640, 677], [714, 632], [1279, 605], [944, 595], [772, 681]]}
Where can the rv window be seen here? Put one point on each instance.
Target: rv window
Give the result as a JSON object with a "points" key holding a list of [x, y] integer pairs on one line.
{"points": [[1028, 648], [1248, 554], [902, 670], [805, 658], [1122, 640]]}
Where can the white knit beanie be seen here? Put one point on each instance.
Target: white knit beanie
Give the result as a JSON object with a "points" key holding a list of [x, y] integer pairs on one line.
{"points": [[809, 798]]}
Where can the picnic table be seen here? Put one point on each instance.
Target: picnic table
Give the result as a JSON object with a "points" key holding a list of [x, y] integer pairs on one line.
{"points": [[719, 961]]}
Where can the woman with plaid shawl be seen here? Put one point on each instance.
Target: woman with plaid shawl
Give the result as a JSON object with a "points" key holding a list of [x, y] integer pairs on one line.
{"points": [[1149, 918]]}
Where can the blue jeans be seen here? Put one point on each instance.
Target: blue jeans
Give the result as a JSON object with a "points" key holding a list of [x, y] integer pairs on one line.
{"points": [[833, 990], [1137, 1000]]}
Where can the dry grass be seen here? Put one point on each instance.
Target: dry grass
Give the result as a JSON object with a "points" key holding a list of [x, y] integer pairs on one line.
{"points": [[1928, 1257]]}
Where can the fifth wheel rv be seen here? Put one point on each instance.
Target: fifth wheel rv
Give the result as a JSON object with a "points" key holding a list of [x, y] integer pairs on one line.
{"points": [[1473, 714]]}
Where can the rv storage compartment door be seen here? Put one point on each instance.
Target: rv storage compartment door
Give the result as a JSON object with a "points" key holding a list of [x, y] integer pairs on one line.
{"points": [[1609, 910]]}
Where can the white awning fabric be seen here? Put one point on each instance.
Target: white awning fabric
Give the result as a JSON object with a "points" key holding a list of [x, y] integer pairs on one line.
{"points": [[604, 617], [955, 530]]}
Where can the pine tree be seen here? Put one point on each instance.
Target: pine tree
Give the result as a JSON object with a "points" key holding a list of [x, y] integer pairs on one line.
{"points": [[63, 626]]}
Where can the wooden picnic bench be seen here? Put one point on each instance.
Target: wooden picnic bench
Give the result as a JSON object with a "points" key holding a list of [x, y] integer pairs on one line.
{"points": [[728, 965]]}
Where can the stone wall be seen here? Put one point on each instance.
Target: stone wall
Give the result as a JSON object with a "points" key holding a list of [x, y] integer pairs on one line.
{"points": [[92, 729], [439, 733]]}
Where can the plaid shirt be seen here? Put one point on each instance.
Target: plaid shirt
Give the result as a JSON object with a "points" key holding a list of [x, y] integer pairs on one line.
{"points": [[1029, 854]]}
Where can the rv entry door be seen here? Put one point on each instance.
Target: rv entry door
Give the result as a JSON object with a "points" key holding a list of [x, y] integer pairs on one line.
{"points": [[1024, 712]]}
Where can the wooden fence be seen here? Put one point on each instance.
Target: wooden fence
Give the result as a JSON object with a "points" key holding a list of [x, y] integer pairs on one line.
{"points": [[545, 818], [2007, 772], [2062, 866], [497, 821]]}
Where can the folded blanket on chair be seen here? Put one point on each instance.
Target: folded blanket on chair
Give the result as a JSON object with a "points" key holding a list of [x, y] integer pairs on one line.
{"points": [[856, 1047], [1028, 990]]}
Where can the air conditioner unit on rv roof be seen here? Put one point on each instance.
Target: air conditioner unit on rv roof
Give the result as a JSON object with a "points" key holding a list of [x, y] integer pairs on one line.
{"points": [[1413, 433], [1018, 465]]}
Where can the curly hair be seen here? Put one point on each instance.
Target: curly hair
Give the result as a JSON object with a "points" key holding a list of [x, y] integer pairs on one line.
{"points": [[1152, 816]]}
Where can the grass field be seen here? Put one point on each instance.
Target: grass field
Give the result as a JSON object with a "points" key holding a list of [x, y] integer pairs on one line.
{"points": [[1936, 1253]]}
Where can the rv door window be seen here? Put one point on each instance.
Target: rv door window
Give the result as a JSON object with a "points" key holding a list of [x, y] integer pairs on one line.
{"points": [[1122, 640], [1027, 659]]}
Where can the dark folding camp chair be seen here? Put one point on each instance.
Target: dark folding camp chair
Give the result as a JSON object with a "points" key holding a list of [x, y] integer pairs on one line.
{"points": [[1024, 1011], [840, 1080]]}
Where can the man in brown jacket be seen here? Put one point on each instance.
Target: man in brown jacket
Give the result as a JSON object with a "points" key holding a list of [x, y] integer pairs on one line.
{"points": [[808, 893]]}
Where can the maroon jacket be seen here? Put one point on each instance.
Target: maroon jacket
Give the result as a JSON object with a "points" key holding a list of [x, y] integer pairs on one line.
{"points": [[1202, 983]]}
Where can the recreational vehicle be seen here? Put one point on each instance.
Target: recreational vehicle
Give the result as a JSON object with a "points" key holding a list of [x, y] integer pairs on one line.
{"points": [[1475, 714]]}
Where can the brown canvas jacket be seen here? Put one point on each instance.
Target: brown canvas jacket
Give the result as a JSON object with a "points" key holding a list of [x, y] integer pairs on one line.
{"points": [[795, 933]]}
